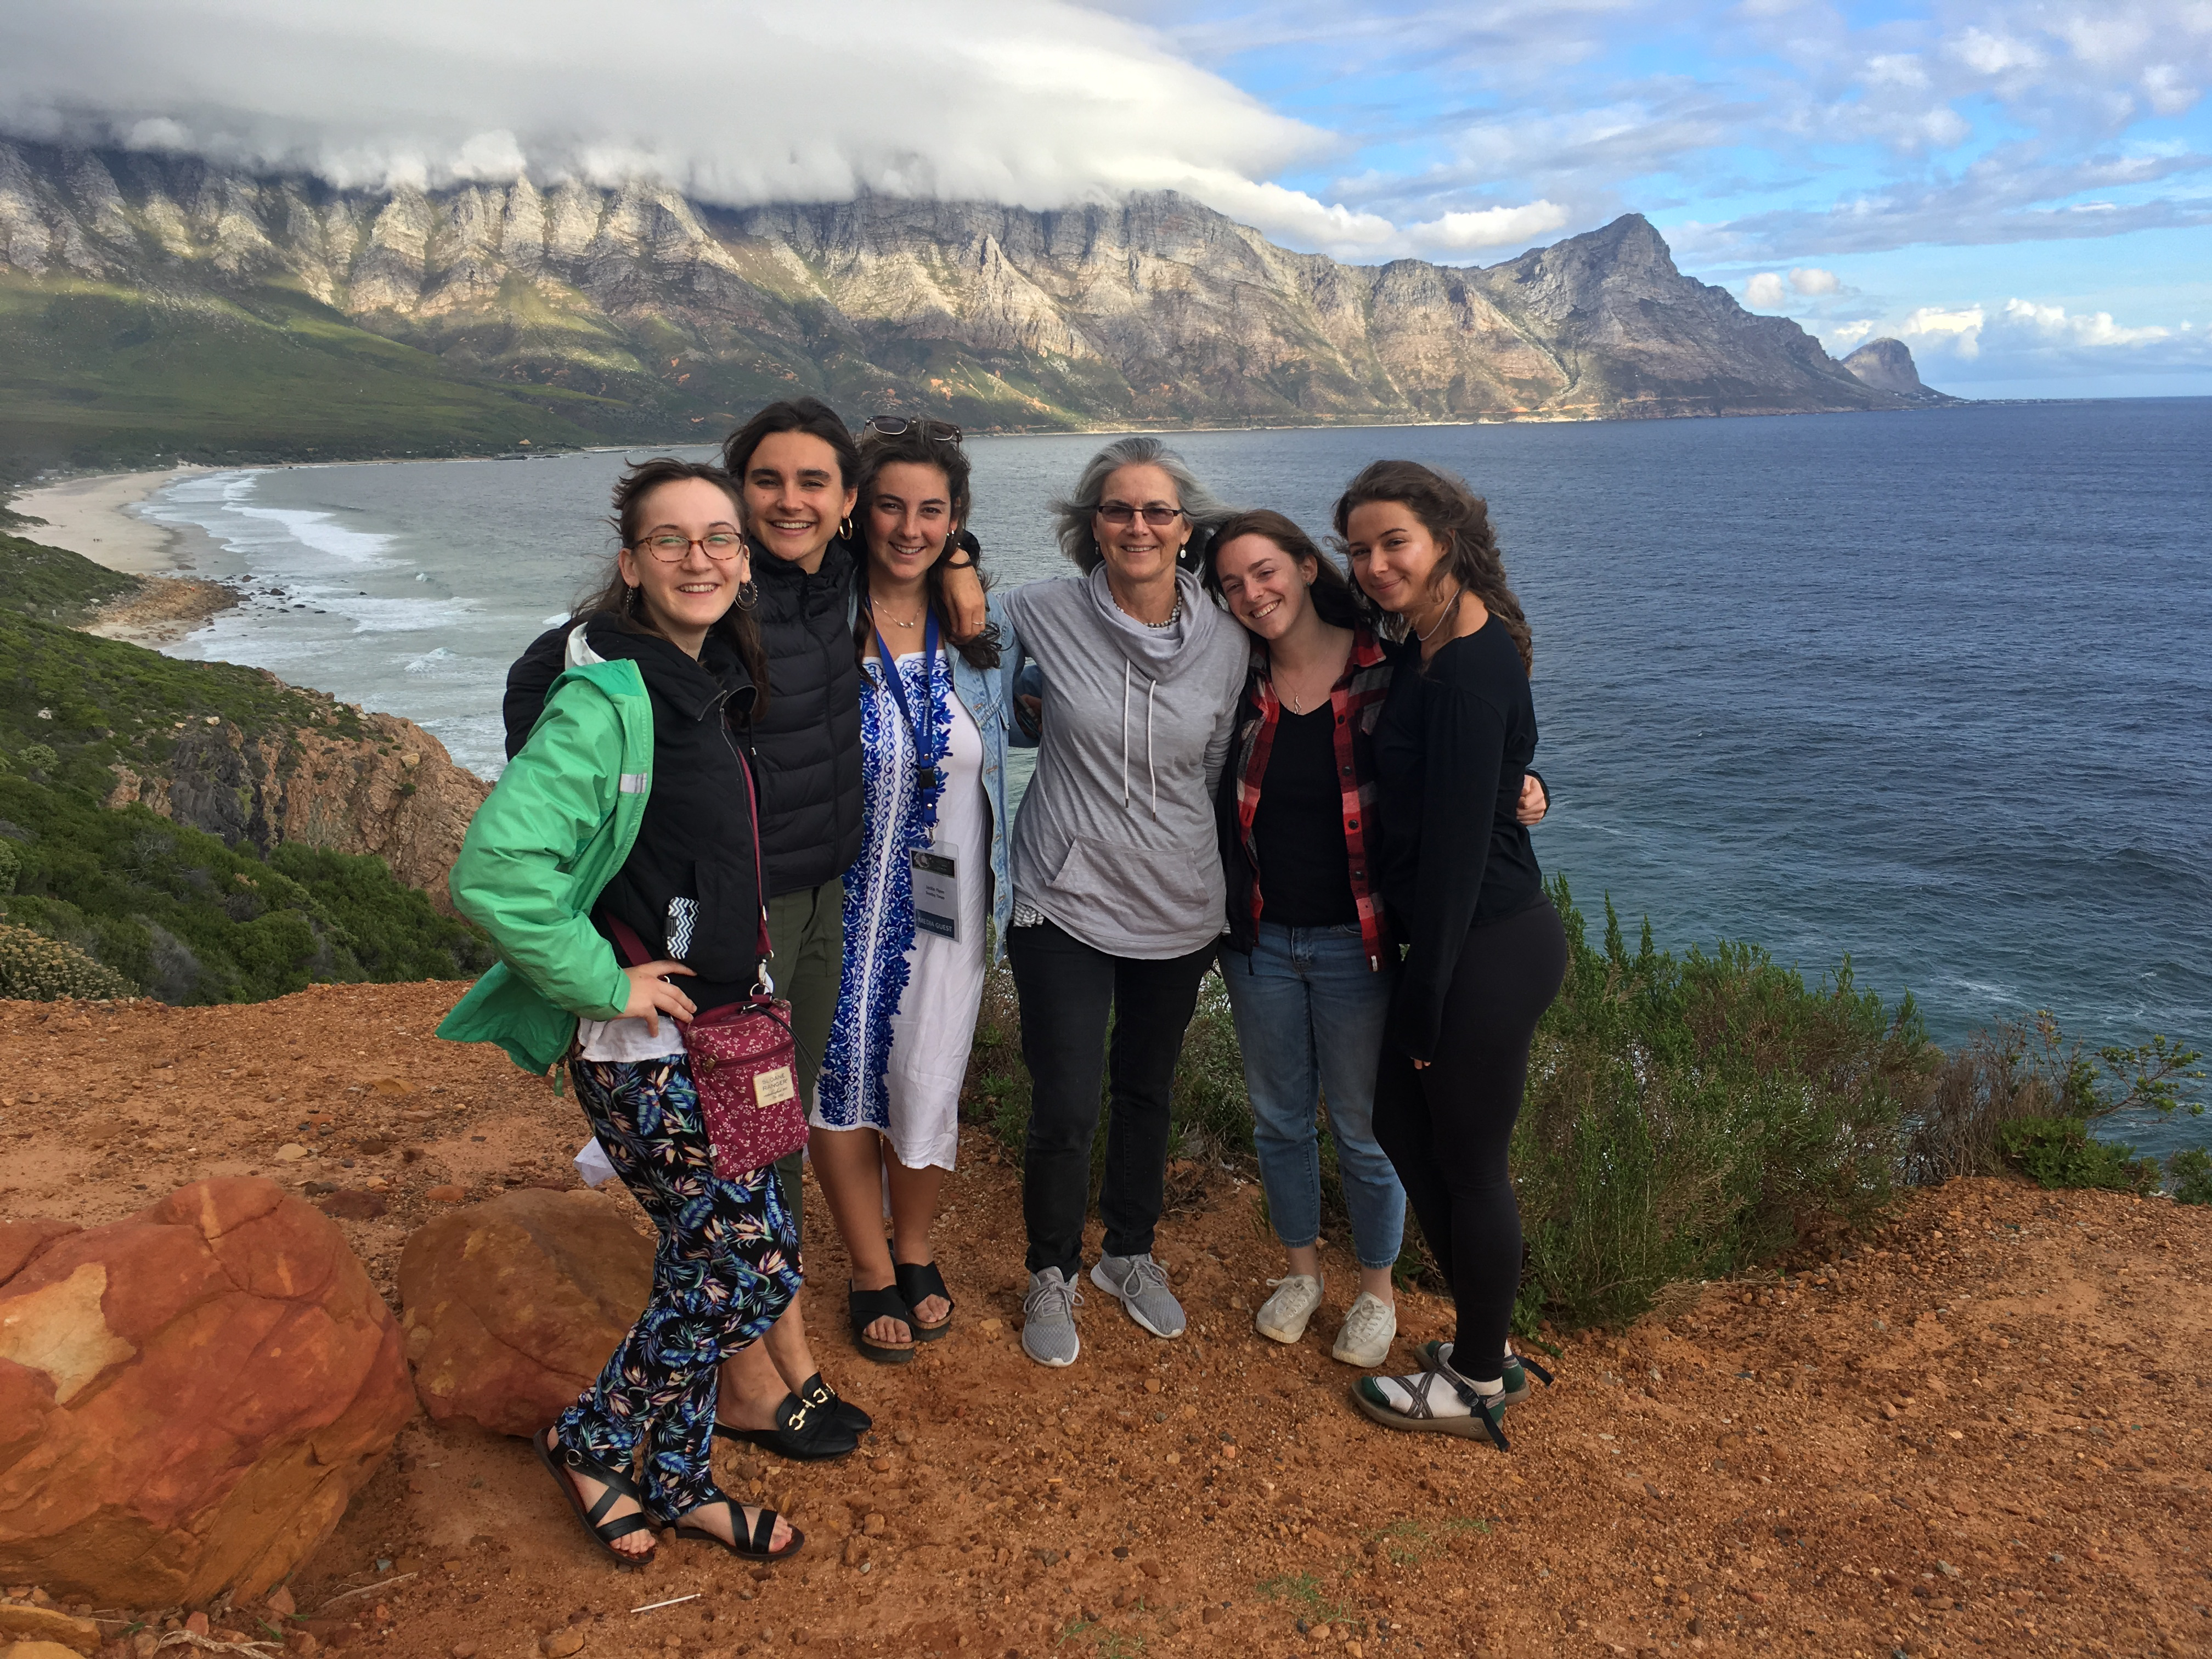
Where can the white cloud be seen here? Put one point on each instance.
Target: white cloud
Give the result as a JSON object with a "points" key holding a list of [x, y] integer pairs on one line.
{"points": [[1959, 332], [2053, 324], [1764, 290], [1840, 337], [1811, 281], [1036, 103], [1488, 227]]}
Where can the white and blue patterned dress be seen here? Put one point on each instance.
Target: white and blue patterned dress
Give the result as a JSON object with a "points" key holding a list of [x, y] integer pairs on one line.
{"points": [[906, 1008]]}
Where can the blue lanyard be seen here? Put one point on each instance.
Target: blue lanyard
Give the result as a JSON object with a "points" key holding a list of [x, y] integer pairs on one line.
{"points": [[926, 754]]}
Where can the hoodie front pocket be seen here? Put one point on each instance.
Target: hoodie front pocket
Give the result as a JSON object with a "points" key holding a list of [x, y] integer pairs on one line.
{"points": [[1144, 893]]}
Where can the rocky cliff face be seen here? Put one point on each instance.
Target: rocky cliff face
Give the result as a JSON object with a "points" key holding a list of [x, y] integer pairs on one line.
{"points": [[638, 310], [394, 792]]}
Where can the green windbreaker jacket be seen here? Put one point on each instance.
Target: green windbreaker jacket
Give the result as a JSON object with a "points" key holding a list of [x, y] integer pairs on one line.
{"points": [[558, 825]]}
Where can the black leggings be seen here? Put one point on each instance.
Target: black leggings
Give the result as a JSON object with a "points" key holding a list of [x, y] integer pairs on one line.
{"points": [[1448, 1128]]}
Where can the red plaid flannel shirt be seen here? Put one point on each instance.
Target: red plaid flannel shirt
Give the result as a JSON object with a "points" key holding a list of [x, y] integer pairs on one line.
{"points": [[1357, 698]]}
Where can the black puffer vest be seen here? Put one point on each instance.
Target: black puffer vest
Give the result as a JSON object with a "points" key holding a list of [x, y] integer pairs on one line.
{"points": [[806, 746]]}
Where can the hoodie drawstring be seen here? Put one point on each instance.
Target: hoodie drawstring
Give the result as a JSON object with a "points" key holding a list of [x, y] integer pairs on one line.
{"points": [[1152, 775]]}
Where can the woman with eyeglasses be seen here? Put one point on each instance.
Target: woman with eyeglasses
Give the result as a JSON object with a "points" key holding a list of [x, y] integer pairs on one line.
{"points": [[626, 815], [1116, 875], [929, 885]]}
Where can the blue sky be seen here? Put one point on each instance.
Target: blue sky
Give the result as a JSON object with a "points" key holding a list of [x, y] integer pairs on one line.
{"points": [[2021, 190]]}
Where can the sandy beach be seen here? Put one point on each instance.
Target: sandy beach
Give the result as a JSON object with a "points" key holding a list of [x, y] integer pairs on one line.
{"points": [[91, 516]]}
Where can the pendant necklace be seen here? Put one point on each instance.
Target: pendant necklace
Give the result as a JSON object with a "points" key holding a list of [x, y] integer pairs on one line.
{"points": [[1450, 605]]}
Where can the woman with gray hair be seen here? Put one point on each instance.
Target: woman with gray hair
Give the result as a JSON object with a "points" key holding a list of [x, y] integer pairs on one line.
{"points": [[1118, 891]]}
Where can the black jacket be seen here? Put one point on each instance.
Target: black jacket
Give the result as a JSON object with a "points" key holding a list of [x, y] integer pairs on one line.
{"points": [[805, 746], [694, 843]]}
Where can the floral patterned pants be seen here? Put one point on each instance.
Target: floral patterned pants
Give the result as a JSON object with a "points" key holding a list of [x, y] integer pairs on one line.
{"points": [[726, 1267]]}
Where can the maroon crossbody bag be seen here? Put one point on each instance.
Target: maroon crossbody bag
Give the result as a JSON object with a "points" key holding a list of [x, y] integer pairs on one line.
{"points": [[742, 1054]]}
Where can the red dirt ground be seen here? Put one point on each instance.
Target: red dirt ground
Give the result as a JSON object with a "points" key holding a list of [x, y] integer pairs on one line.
{"points": [[1984, 1431]]}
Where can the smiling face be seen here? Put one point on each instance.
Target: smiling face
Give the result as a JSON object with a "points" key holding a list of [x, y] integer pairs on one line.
{"points": [[1394, 557], [683, 597], [1137, 552], [795, 498], [909, 519], [1266, 589]]}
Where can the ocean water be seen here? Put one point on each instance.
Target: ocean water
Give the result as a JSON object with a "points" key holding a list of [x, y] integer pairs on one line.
{"points": [[1932, 691]]}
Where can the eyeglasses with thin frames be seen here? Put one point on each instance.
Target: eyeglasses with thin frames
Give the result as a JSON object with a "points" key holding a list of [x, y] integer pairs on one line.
{"points": [[1156, 515], [670, 548], [893, 426]]}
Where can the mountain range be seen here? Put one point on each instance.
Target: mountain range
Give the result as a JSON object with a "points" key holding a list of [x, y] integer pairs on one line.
{"points": [[154, 305]]}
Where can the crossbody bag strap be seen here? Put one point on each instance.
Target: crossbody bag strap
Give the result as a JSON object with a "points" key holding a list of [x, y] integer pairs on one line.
{"points": [[766, 946]]}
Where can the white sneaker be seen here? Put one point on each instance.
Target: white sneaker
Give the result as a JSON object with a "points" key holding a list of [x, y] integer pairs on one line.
{"points": [[1368, 1331], [1282, 1317]]}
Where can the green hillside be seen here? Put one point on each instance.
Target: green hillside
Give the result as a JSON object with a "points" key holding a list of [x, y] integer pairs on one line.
{"points": [[96, 375], [169, 909]]}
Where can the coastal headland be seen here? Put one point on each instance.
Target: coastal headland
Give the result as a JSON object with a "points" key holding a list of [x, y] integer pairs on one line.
{"points": [[1976, 1429]]}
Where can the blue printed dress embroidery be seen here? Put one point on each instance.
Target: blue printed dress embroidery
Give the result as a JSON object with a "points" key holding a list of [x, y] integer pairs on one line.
{"points": [[879, 892]]}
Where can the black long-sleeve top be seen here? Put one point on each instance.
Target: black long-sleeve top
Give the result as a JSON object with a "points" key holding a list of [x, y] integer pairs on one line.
{"points": [[1453, 743]]}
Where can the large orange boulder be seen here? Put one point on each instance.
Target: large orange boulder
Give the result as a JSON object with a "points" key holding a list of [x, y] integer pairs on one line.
{"points": [[511, 1306], [189, 1398]]}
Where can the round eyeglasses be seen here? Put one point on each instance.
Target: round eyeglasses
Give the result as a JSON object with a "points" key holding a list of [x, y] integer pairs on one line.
{"points": [[670, 548]]}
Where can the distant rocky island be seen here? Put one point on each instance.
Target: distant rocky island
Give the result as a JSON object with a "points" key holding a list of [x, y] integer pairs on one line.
{"points": [[154, 305]]}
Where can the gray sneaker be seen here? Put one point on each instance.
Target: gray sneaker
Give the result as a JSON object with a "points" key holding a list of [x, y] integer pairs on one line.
{"points": [[1049, 1334], [1142, 1284]]}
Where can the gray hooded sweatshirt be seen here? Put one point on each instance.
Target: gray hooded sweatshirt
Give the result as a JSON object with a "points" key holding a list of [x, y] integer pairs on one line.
{"points": [[1115, 841]]}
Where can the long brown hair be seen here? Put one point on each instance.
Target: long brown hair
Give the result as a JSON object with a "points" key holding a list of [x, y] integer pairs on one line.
{"points": [[1331, 590], [1459, 521], [919, 445], [624, 604]]}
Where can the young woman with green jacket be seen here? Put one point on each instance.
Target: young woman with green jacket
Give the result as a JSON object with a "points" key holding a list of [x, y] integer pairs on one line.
{"points": [[631, 803]]}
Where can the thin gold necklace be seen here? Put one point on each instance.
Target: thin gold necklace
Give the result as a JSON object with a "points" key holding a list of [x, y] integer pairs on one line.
{"points": [[1450, 605], [876, 610]]}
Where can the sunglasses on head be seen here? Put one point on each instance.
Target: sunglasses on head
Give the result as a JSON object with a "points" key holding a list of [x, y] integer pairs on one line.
{"points": [[894, 426]]}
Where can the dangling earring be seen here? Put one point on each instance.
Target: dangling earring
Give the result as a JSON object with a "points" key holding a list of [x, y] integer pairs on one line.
{"points": [[636, 599], [748, 595]]}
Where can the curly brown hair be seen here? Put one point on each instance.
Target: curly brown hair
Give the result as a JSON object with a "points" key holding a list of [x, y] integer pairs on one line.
{"points": [[1459, 521]]}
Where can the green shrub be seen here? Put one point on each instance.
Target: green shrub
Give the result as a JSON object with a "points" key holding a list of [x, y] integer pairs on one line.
{"points": [[37, 756], [2189, 1173], [193, 921], [35, 968], [2060, 1152]]}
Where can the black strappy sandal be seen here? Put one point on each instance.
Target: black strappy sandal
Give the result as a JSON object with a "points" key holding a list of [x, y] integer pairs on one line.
{"points": [[755, 1548], [866, 1307], [617, 1486], [1485, 1416], [918, 1281]]}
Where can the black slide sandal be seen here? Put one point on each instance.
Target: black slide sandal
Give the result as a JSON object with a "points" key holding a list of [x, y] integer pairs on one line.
{"points": [[818, 1394], [755, 1548], [805, 1432], [618, 1486], [866, 1307], [918, 1281]]}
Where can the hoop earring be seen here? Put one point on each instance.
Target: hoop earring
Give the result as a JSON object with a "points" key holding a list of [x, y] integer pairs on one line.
{"points": [[845, 530], [748, 595]]}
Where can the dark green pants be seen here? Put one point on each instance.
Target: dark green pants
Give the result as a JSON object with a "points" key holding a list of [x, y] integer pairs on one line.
{"points": [[807, 929]]}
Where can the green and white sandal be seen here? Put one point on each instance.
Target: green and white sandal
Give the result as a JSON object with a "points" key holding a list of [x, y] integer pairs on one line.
{"points": [[1438, 1401], [1518, 1368]]}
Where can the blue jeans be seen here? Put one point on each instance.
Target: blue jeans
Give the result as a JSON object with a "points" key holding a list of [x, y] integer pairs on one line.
{"points": [[1309, 1017]]}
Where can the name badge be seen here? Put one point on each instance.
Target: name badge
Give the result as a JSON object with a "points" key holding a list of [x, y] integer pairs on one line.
{"points": [[936, 889]]}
